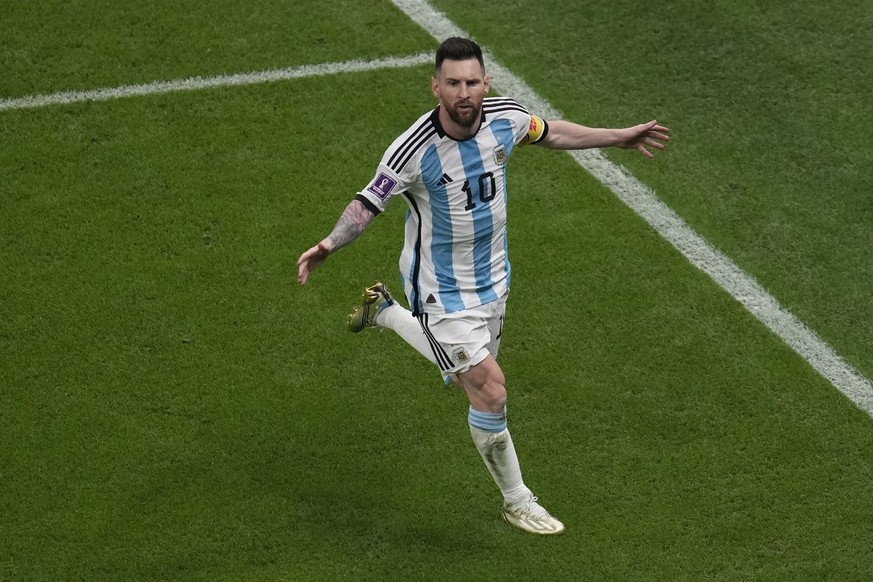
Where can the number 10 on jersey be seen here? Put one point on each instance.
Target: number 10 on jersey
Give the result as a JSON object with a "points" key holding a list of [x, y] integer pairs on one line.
{"points": [[485, 189]]}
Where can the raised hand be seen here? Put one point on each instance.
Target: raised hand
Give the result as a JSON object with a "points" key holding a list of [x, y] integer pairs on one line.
{"points": [[644, 136]]}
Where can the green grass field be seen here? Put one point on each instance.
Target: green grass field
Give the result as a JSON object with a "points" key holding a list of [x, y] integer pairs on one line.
{"points": [[173, 407]]}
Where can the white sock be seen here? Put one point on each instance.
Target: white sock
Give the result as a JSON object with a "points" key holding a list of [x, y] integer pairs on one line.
{"points": [[499, 455], [401, 320]]}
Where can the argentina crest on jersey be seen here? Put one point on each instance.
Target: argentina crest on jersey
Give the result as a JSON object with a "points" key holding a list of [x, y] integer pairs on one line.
{"points": [[500, 155]]}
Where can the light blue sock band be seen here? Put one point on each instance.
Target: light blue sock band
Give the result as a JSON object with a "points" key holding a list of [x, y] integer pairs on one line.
{"points": [[487, 421]]}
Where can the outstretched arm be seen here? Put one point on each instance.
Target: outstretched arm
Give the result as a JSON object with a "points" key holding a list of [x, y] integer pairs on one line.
{"points": [[350, 225], [566, 135]]}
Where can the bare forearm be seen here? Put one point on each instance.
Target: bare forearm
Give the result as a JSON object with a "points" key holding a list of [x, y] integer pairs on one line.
{"points": [[350, 225], [566, 135], [643, 137]]}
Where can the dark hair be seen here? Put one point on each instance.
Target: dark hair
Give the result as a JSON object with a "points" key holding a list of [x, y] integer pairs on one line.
{"points": [[458, 49]]}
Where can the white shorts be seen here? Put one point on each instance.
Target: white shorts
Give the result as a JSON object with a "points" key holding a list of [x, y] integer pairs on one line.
{"points": [[462, 339]]}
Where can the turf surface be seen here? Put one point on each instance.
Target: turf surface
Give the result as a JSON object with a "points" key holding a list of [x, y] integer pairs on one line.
{"points": [[174, 408]]}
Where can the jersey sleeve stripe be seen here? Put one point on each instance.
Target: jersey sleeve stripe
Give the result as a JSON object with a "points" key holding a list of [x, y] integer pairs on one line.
{"points": [[493, 103], [507, 107], [489, 100], [409, 142], [398, 167]]}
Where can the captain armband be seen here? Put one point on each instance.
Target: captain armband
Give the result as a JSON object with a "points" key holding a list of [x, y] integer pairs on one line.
{"points": [[536, 131]]}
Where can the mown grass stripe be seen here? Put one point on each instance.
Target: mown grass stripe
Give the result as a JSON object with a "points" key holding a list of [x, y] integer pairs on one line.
{"points": [[195, 83], [739, 284]]}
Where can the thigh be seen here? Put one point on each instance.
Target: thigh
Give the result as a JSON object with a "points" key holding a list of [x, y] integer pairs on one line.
{"points": [[458, 340], [496, 315]]}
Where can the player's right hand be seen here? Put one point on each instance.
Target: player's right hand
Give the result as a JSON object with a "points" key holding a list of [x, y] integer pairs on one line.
{"points": [[311, 260]]}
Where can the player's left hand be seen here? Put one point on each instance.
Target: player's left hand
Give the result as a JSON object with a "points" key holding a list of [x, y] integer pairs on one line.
{"points": [[644, 136]]}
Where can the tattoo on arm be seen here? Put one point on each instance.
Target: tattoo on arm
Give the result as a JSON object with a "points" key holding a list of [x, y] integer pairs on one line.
{"points": [[350, 225]]}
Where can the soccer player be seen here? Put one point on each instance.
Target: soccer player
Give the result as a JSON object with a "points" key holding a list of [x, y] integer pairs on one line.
{"points": [[450, 168]]}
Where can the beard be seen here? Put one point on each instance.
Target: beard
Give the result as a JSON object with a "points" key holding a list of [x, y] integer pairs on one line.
{"points": [[465, 118]]}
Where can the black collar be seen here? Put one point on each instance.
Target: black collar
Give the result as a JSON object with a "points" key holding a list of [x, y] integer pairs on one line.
{"points": [[435, 119]]}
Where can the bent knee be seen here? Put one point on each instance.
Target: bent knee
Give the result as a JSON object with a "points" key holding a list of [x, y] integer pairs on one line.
{"points": [[494, 393], [487, 390]]}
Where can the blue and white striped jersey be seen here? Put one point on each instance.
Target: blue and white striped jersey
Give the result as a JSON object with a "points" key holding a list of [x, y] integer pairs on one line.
{"points": [[454, 256]]}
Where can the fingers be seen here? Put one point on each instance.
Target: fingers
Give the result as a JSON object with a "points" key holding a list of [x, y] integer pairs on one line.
{"points": [[657, 144], [653, 125], [642, 149], [306, 256], [652, 135], [310, 260], [647, 142], [302, 270], [658, 135], [303, 266], [653, 130]]}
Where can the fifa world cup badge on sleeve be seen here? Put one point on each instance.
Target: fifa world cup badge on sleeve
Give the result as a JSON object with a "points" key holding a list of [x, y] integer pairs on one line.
{"points": [[382, 185]]}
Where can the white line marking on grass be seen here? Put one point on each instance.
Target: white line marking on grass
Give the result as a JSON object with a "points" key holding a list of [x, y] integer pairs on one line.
{"points": [[195, 83], [695, 248]]}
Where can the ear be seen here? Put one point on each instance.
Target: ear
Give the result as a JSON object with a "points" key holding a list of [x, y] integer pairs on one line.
{"points": [[435, 87], [487, 84]]}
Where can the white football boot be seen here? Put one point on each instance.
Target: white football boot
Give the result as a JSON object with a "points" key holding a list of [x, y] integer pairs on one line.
{"points": [[532, 517]]}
